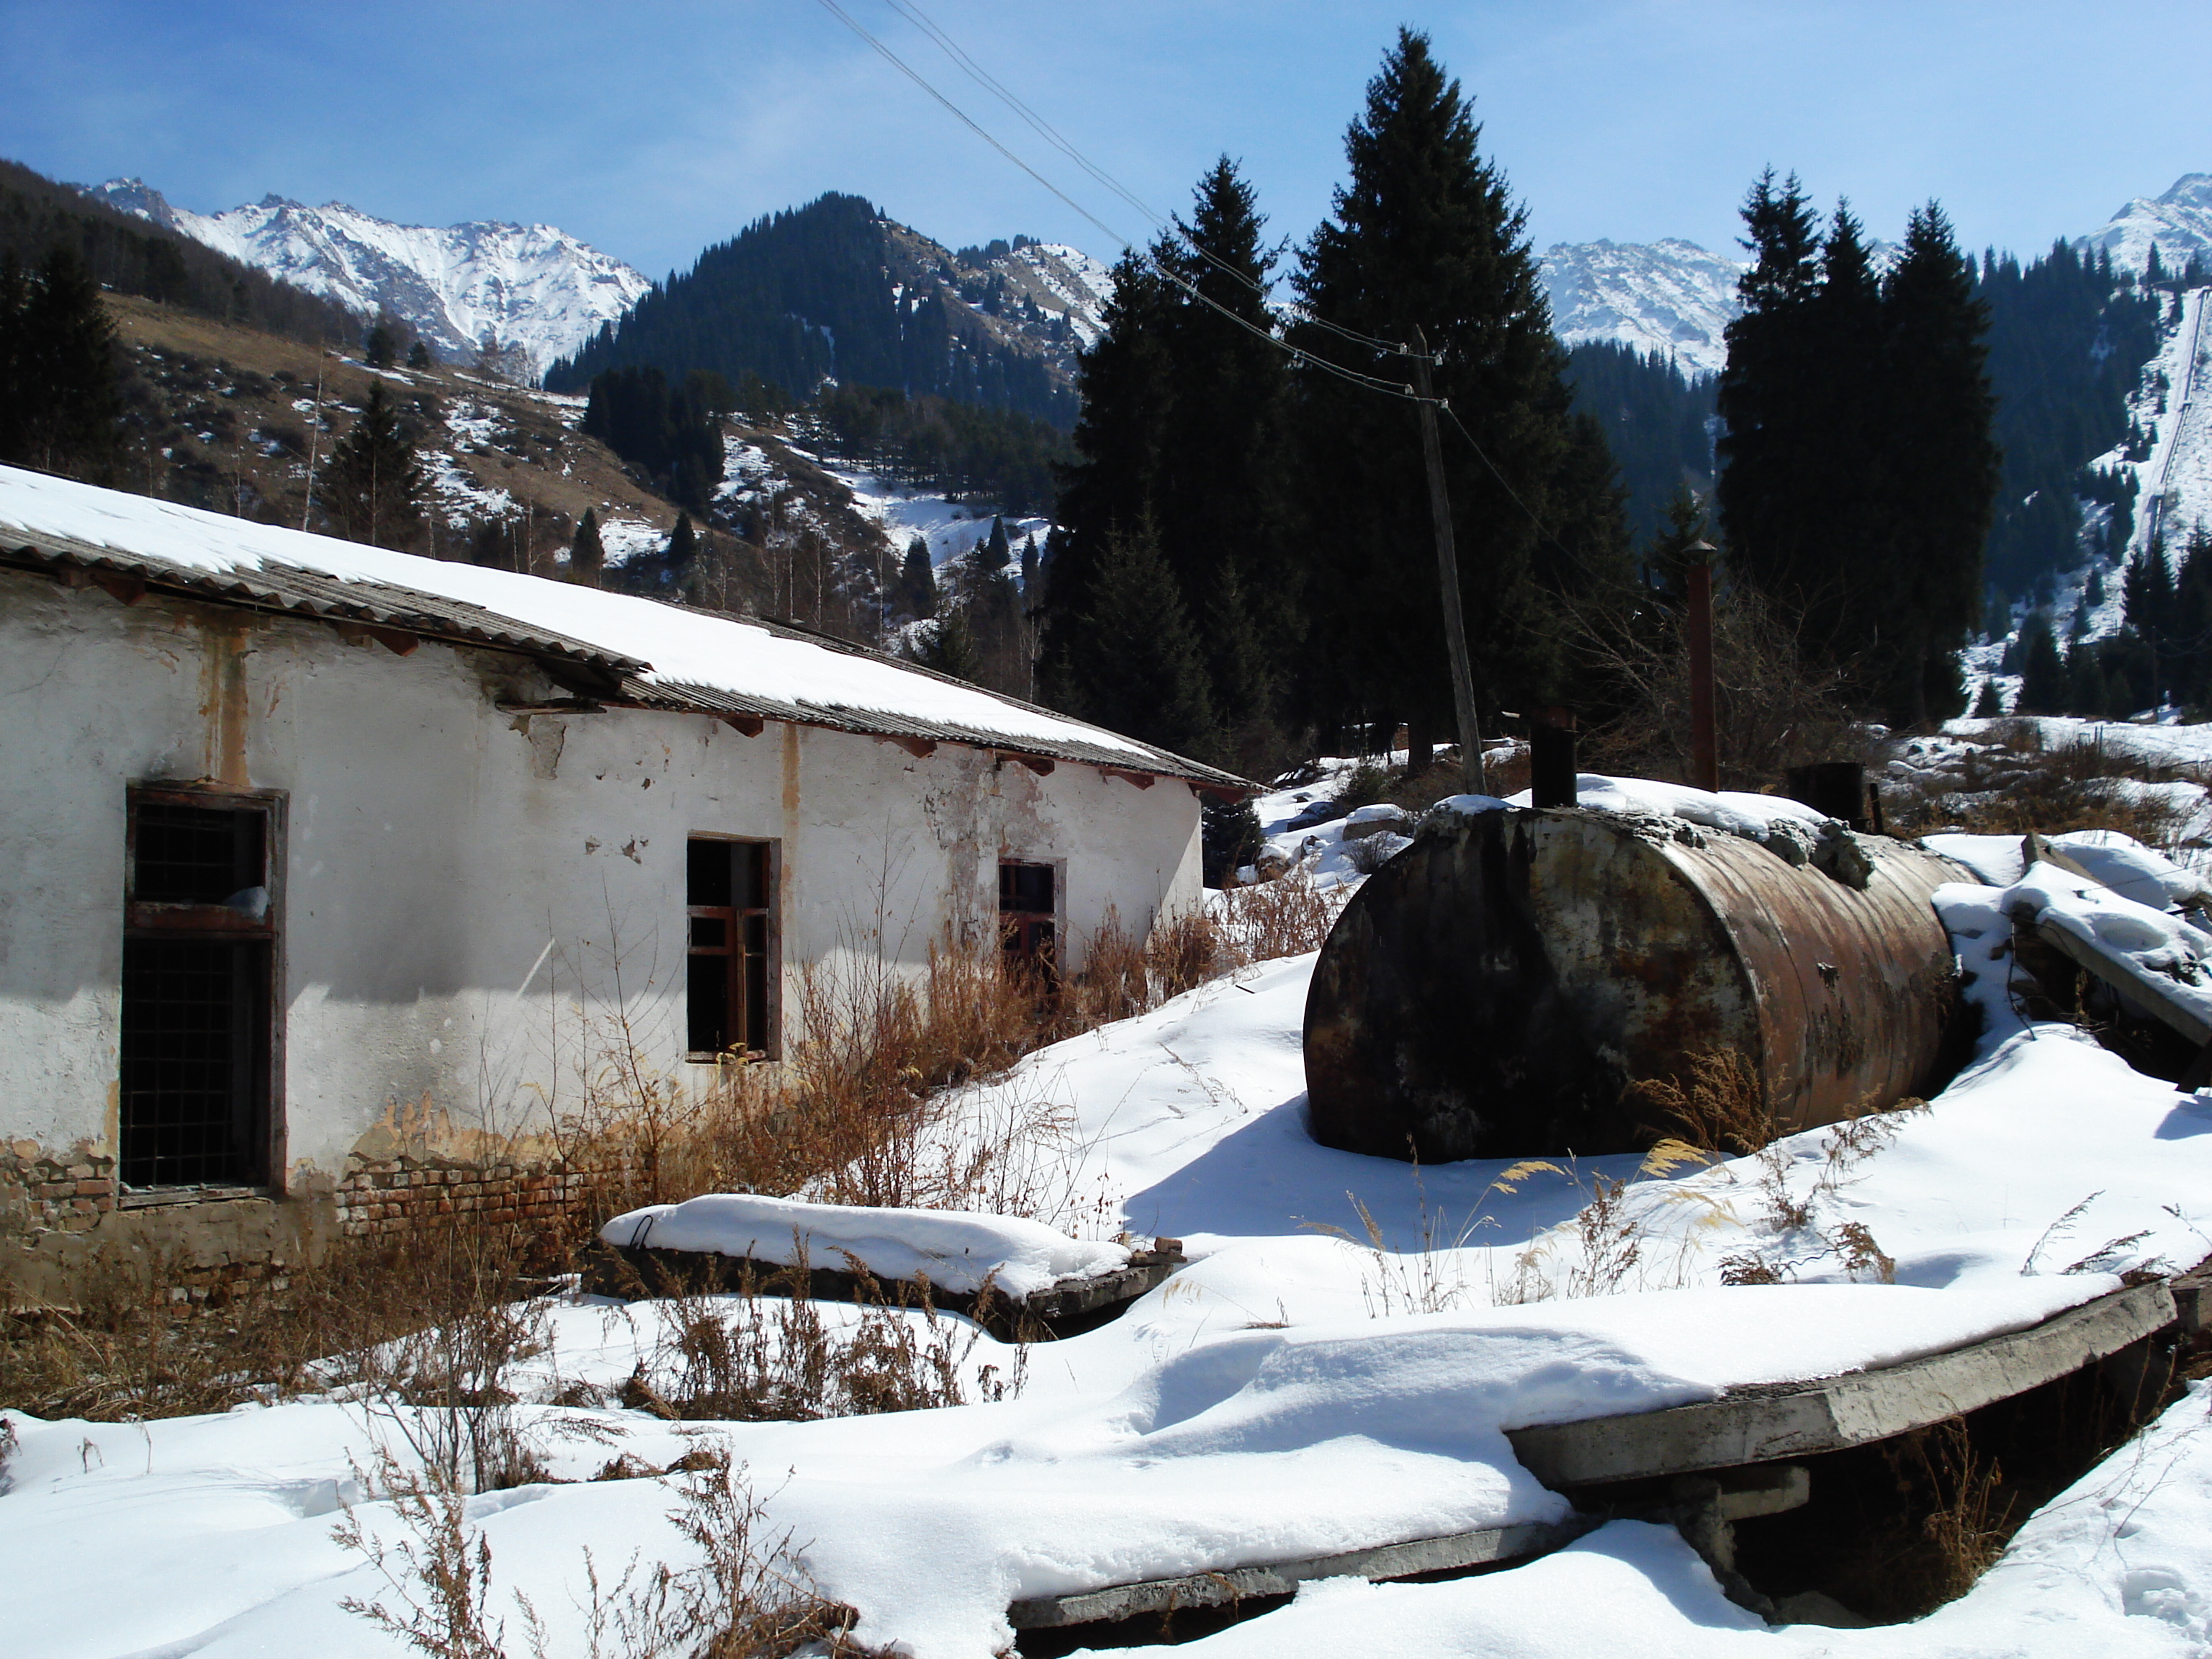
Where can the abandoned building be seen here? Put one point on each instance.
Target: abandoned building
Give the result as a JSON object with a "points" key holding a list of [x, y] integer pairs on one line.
{"points": [[331, 866]]}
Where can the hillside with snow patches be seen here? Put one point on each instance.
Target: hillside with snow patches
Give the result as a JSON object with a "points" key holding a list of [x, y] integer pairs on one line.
{"points": [[533, 286]]}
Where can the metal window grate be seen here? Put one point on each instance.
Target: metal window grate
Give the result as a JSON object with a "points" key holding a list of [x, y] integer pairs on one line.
{"points": [[193, 1033], [197, 994], [194, 855]]}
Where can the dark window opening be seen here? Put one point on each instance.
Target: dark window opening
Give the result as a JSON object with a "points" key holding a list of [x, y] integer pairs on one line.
{"points": [[1028, 914], [198, 950], [729, 890]]}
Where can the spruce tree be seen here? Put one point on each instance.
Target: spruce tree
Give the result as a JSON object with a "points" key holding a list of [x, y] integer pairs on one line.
{"points": [[948, 647], [2043, 679], [683, 548], [917, 589], [418, 356], [1425, 235], [588, 554], [1124, 380], [1940, 473], [380, 346], [1139, 663], [375, 487], [60, 387], [996, 551]]}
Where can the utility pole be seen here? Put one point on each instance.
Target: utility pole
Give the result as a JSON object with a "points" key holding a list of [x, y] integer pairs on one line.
{"points": [[1704, 745], [1470, 745]]}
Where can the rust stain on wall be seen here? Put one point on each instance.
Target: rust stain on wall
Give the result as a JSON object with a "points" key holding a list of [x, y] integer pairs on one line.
{"points": [[223, 705]]}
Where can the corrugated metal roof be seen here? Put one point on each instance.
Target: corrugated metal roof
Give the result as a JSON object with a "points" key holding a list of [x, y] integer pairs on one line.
{"points": [[296, 591], [304, 593]]}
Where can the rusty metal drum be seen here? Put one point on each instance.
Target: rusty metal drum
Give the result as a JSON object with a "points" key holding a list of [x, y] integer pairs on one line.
{"points": [[1498, 988]]}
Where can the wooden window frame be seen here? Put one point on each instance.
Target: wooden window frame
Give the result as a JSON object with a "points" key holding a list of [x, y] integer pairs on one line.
{"points": [[734, 918], [157, 919], [1019, 929]]}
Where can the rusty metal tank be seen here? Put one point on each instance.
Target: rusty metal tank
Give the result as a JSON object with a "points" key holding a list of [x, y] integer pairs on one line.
{"points": [[1496, 988]]}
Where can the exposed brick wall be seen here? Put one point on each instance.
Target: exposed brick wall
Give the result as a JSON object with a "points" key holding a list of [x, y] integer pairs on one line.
{"points": [[47, 1191], [388, 1195]]}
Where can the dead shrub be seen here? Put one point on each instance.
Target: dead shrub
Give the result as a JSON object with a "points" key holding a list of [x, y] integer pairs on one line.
{"points": [[1286, 917], [127, 1351], [2011, 781], [1773, 708], [765, 1353]]}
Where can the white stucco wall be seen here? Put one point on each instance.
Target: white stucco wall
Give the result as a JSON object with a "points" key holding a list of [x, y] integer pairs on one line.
{"points": [[448, 907]]}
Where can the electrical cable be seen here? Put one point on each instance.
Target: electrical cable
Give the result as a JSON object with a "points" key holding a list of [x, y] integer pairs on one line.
{"points": [[1371, 382], [1052, 135]]}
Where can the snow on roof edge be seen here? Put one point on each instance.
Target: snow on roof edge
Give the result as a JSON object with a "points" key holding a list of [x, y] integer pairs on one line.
{"points": [[669, 655]]}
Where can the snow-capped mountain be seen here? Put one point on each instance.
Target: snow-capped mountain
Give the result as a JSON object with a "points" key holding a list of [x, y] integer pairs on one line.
{"points": [[2179, 223], [530, 285], [1671, 297]]}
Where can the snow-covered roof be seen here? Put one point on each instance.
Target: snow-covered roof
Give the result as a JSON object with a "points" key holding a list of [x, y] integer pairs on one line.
{"points": [[644, 652]]}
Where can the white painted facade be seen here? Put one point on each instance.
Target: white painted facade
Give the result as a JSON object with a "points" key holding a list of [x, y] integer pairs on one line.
{"points": [[466, 896]]}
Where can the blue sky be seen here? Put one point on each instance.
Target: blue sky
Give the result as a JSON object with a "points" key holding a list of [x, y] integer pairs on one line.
{"points": [[652, 129]]}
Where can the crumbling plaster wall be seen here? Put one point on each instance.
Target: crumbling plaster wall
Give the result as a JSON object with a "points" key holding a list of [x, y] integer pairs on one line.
{"points": [[470, 897]]}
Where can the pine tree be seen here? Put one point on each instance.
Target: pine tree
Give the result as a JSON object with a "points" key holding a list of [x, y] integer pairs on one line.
{"points": [[1940, 473], [996, 551], [2043, 678], [2086, 691], [1988, 703], [917, 589], [381, 345], [683, 548], [1140, 666], [1425, 235], [947, 646], [418, 356], [1125, 381], [588, 554], [375, 486], [60, 387]]}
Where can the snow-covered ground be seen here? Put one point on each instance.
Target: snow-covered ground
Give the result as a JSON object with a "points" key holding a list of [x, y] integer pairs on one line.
{"points": [[1335, 1369]]}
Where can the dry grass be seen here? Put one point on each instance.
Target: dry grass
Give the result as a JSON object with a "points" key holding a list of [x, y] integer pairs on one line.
{"points": [[2014, 783], [125, 1351], [765, 1354], [745, 1597]]}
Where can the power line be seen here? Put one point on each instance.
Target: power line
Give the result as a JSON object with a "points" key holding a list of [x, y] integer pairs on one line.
{"points": [[1052, 135], [1371, 382]]}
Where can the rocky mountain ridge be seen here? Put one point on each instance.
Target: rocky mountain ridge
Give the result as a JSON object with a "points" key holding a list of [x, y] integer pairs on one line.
{"points": [[532, 286]]}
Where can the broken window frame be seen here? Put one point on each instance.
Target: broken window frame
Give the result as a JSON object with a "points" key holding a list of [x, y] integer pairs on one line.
{"points": [[752, 946], [259, 960], [1029, 937]]}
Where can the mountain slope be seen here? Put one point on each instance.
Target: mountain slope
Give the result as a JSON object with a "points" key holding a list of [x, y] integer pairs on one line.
{"points": [[529, 285], [836, 290], [1669, 297], [2179, 223]]}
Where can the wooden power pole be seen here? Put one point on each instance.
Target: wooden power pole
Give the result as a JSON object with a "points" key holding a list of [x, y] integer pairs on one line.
{"points": [[1470, 746]]}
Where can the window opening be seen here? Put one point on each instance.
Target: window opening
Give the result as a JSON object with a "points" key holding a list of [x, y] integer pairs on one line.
{"points": [[728, 900], [198, 949], [1028, 914]]}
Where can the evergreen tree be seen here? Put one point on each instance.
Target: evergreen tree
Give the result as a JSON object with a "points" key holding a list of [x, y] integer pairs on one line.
{"points": [[374, 486], [381, 345], [418, 356], [1940, 473], [2043, 678], [60, 385], [683, 550], [588, 554], [947, 646], [917, 589], [1030, 570], [1425, 235], [2086, 692], [1988, 704], [996, 552], [1110, 488], [1140, 666]]}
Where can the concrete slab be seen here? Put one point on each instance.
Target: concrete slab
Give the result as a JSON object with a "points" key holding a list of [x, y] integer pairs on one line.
{"points": [[1211, 1590], [1797, 1420]]}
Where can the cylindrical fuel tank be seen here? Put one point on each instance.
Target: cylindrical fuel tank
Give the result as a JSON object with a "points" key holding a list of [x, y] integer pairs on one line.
{"points": [[1497, 988]]}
